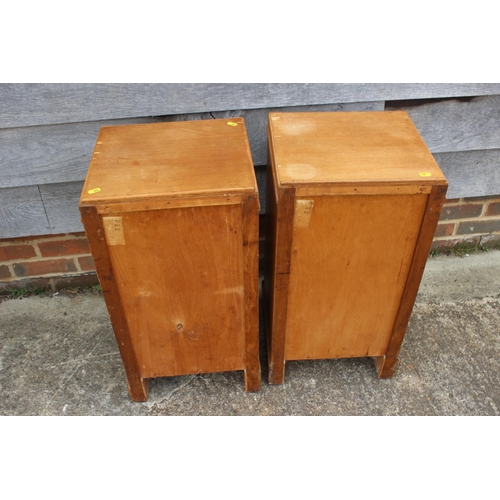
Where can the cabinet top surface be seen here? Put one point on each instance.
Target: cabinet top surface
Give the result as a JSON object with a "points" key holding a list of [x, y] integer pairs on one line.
{"points": [[350, 147], [173, 159]]}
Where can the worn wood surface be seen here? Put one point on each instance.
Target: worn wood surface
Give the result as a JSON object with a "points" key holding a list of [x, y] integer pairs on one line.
{"points": [[41, 104], [256, 121], [357, 189], [457, 125], [162, 203], [22, 213], [386, 364], [50, 154], [278, 247], [64, 120], [137, 384], [250, 226], [471, 173], [61, 153], [344, 296], [26, 211], [60, 202], [197, 158], [169, 197], [344, 291], [349, 148], [180, 275]]}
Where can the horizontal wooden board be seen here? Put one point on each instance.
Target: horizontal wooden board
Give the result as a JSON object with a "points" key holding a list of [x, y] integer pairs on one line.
{"points": [[30, 104], [457, 125], [22, 213], [471, 173], [168, 204], [61, 205], [52, 153], [361, 189]]}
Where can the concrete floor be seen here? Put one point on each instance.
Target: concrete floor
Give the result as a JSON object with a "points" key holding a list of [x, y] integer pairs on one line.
{"points": [[58, 356]]}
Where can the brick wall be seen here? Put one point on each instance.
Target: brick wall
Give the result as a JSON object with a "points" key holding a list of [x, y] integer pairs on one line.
{"points": [[64, 260], [46, 262], [468, 222]]}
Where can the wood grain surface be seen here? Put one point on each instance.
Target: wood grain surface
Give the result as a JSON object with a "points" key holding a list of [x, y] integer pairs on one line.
{"points": [[199, 158], [256, 121], [94, 229], [22, 212], [48, 131], [50, 154], [471, 173], [279, 230], [348, 272], [356, 147], [457, 125], [250, 230], [41, 104], [60, 202], [386, 364], [347, 243], [178, 212], [184, 304]]}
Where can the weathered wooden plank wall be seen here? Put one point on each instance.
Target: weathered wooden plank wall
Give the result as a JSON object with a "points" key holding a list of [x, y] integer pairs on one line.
{"points": [[61, 153], [47, 133], [456, 124], [24, 105], [49, 154], [464, 136], [61, 206], [22, 212]]}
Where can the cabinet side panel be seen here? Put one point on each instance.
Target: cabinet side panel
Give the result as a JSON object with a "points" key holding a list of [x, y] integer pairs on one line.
{"points": [[180, 277], [280, 214], [386, 365], [348, 271], [95, 231]]}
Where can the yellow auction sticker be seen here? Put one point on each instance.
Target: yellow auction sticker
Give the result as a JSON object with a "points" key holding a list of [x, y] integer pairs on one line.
{"points": [[232, 124], [95, 190], [425, 174]]}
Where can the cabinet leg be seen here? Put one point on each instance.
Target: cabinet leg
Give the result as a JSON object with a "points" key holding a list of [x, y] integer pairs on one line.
{"points": [[137, 387], [276, 331], [250, 214], [252, 378], [385, 366], [276, 372], [275, 356]]}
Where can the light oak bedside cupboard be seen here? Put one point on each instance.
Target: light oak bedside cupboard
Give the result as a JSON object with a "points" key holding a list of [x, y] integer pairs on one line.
{"points": [[171, 214], [353, 199]]}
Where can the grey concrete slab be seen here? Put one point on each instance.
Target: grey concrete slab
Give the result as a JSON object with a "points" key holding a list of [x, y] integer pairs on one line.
{"points": [[58, 356]]}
